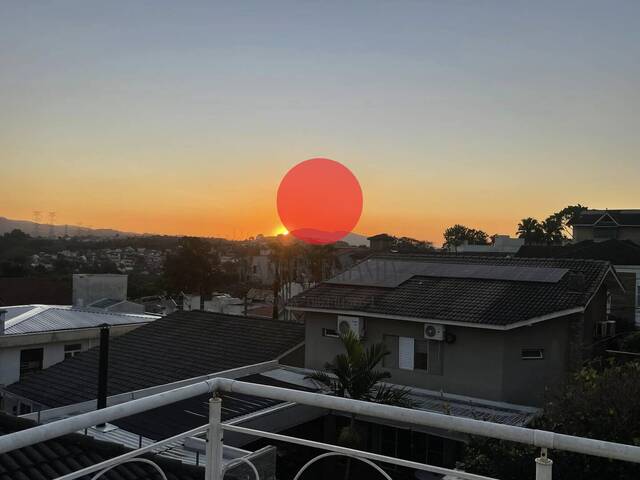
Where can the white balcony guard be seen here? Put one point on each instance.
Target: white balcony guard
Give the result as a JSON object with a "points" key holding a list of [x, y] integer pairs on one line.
{"points": [[543, 439]]}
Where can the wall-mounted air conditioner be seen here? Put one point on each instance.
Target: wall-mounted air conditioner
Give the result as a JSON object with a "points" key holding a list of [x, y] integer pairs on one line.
{"points": [[433, 331], [353, 324]]}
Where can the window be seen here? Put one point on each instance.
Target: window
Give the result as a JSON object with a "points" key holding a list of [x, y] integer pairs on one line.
{"points": [[638, 294], [532, 354], [72, 350], [330, 332], [30, 361], [408, 353]]}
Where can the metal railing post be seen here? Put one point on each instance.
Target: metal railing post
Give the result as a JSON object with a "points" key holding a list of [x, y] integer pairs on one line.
{"points": [[544, 466], [213, 469]]}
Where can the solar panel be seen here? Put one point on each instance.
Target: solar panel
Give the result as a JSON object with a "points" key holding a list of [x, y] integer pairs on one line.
{"points": [[391, 273]]}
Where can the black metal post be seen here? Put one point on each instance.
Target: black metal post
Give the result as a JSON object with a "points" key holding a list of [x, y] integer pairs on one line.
{"points": [[103, 366]]}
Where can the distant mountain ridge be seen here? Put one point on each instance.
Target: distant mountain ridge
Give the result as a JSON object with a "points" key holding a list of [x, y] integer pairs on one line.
{"points": [[27, 226]]}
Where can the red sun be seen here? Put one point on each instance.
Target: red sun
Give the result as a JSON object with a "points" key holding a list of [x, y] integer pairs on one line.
{"points": [[319, 201]]}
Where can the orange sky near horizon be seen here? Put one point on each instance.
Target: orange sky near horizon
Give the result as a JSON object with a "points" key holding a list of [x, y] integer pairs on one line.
{"points": [[182, 119]]}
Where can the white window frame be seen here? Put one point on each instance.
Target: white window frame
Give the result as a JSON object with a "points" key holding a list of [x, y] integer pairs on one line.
{"points": [[326, 332], [532, 357]]}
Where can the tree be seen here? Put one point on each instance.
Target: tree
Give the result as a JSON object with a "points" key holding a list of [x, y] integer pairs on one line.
{"points": [[458, 234], [531, 230], [354, 374], [192, 267], [553, 230], [596, 403], [568, 215]]}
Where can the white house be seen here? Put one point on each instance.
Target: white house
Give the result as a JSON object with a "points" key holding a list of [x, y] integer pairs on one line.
{"points": [[34, 337]]}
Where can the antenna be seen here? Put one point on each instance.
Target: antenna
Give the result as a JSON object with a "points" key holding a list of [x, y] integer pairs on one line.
{"points": [[52, 219], [36, 223], [66, 230], [79, 229]]}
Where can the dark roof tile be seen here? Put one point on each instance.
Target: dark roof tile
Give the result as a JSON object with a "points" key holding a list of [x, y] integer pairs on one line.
{"points": [[471, 300], [178, 346]]}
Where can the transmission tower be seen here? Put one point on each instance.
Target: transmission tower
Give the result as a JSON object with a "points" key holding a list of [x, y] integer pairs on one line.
{"points": [[36, 223], [78, 229], [52, 219]]}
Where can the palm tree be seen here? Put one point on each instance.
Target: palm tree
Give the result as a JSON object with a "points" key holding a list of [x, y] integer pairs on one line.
{"points": [[354, 374], [531, 230], [552, 230]]}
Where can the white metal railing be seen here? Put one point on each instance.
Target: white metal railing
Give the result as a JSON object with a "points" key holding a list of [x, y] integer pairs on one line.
{"points": [[214, 465]]}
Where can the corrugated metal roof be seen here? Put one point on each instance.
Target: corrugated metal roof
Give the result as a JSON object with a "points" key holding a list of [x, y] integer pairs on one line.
{"points": [[45, 318]]}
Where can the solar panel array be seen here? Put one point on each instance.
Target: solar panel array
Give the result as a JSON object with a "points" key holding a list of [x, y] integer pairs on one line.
{"points": [[379, 272]]}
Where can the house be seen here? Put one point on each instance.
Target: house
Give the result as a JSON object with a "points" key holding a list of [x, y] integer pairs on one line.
{"points": [[599, 225], [103, 291], [176, 347], [495, 328], [502, 244], [381, 242], [189, 347], [261, 269], [183, 348], [624, 255], [35, 337]]}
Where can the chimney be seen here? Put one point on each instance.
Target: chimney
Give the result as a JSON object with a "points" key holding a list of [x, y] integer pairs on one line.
{"points": [[3, 316], [103, 366]]}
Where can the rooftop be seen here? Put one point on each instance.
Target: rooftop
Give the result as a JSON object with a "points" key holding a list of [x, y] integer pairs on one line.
{"points": [[172, 348], [617, 217], [475, 290], [618, 252], [66, 454], [25, 319]]}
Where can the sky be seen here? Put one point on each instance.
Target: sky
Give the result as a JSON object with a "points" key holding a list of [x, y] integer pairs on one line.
{"points": [[182, 117]]}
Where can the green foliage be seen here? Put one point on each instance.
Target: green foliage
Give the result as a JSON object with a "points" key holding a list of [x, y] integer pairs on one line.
{"points": [[596, 403], [192, 267], [458, 234], [354, 374], [555, 229]]}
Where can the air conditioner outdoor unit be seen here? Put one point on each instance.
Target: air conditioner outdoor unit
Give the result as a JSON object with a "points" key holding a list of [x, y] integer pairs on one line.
{"points": [[353, 324], [434, 331]]}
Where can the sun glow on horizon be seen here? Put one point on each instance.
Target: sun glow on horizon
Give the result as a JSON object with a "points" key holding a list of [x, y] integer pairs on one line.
{"points": [[281, 230]]}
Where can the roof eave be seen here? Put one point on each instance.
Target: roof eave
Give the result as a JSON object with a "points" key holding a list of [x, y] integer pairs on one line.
{"points": [[486, 326]]}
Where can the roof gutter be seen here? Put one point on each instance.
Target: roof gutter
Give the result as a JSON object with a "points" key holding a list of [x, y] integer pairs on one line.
{"points": [[485, 326]]}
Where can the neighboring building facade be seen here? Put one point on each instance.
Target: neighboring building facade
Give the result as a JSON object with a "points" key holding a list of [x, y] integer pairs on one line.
{"points": [[501, 244], [600, 225], [501, 329], [381, 242], [172, 348], [624, 255], [35, 337]]}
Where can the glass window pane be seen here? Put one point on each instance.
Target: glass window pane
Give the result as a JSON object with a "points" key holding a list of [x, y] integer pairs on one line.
{"points": [[420, 358]]}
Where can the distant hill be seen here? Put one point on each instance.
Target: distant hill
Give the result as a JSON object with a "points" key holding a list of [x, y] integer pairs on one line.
{"points": [[356, 239], [7, 225]]}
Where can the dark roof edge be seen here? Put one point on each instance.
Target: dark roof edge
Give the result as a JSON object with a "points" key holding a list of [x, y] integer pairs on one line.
{"points": [[486, 326]]}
